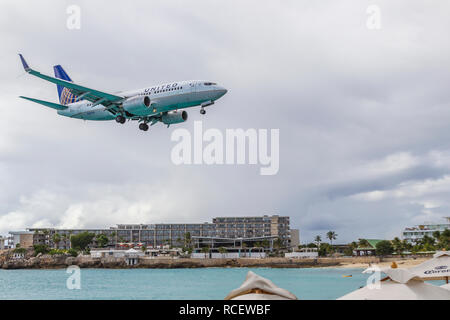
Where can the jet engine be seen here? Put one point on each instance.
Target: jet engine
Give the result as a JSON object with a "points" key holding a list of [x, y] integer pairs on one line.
{"points": [[137, 105], [174, 117]]}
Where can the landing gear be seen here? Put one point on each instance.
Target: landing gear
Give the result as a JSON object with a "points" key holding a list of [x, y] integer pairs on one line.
{"points": [[143, 126], [120, 119], [202, 111]]}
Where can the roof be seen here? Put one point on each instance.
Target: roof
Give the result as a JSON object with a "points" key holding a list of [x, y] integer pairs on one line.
{"points": [[372, 244]]}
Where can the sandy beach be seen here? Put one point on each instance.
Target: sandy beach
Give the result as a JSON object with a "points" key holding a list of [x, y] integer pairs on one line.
{"points": [[401, 263]]}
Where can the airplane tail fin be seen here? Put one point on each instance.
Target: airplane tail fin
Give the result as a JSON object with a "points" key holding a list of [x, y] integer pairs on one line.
{"points": [[64, 94]]}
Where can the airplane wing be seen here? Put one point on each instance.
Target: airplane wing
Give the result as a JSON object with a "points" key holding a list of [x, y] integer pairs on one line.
{"points": [[95, 96], [46, 103]]}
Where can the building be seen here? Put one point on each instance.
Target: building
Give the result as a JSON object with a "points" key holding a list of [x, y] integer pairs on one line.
{"points": [[179, 235], [295, 238], [304, 253], [21, 239], [248, 227], [416, 233], [2, 243], [369, 249]]}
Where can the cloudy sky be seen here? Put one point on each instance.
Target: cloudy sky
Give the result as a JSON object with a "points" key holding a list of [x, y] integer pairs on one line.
{"points": [[363, 114]]}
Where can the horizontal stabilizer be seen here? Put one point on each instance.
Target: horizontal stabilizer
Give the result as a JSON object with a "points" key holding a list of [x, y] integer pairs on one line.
{"points": [[46, 103]]}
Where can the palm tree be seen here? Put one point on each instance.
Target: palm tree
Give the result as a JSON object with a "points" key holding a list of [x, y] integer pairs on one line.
{"points": [[56, 239], [331, 235], [318, 240], [222, 250], [205, 250], [187, 239]]}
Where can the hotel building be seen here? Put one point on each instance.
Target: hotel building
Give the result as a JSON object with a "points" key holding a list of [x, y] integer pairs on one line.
{"points": [[416, 233], [157, 235]]}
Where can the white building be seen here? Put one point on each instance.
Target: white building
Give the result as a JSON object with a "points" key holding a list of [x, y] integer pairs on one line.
{"points": [[416, 233], [305, 253]]}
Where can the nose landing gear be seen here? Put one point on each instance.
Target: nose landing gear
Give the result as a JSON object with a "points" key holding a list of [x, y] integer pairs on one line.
{"points": [[202, 111]]}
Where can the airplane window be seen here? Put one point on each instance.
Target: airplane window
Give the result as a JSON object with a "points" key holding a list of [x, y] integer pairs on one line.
{"points": [[209, 83]]}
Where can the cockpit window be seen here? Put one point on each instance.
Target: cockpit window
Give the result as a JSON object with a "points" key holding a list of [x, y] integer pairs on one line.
{"points": [[210, 84]]}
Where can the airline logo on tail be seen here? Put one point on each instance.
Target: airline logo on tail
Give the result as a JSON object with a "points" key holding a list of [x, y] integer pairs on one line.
{"points": [[65, 96]]}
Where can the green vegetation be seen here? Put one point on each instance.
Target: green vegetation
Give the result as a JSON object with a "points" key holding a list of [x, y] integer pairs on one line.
{"points": [[205, 250], [57, 251], [40, 248], [325, 249], [331, 235], [20, 250], [56, 239], [81, 241], [102, 240], [223, 250], [384, 248], [72, 252]]}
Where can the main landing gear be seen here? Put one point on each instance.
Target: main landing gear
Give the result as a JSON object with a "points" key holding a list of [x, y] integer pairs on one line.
{"points": [[120, 119], [202, 111], [143, 126]]}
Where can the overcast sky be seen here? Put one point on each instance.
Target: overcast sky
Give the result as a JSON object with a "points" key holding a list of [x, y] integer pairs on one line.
{"points": [[364, 115]]}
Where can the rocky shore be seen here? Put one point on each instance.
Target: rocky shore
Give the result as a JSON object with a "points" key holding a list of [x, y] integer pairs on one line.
{"points": [[46, 261]]}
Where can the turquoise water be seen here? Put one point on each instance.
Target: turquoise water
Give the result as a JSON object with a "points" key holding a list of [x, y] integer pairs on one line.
{"points": [[209, 283]]}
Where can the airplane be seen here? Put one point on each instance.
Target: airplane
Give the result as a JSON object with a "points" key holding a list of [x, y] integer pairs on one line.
{"points": [[154, 104]]}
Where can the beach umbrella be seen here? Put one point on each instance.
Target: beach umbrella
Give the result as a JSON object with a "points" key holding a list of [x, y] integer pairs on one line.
{"points": [[256, 287], [400, 284], [437, 268]]}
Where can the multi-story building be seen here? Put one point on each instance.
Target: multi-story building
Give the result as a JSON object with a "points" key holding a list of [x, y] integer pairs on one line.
{"points": [[22, 239], [156, 235], [416, 233], [248, 227]]}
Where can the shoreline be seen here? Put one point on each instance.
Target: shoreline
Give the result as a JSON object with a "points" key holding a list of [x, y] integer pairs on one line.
{"points": [[64, 261]]}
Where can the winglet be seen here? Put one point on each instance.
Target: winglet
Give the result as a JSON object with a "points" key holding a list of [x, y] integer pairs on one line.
{"points": [[24, 63]]}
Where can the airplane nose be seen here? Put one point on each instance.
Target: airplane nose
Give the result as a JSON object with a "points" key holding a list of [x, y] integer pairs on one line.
{"points": [[222, 91]]}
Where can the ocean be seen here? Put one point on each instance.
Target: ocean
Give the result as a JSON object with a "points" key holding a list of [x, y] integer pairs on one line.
{"points": [[207, 283]]}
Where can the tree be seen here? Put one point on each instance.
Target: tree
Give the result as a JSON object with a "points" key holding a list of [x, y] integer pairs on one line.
{"points": [[82, 240], [318, 240], [398, 245], [205, 250], [144, 248], [56, 239], [187, 239], [437, 235], [331, 235], [278, 243], [384, 248], [223, 250], [363, 243], [40, 248], [102, 240], [324, 249]]}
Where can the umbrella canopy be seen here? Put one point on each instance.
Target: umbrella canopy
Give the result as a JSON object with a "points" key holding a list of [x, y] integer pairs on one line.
{"points": [[392, 290], [258, 288], [437, 268], [401, 284]]}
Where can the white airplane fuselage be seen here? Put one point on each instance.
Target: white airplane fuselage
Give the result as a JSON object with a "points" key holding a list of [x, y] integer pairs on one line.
{"points": [[163, 98]]}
